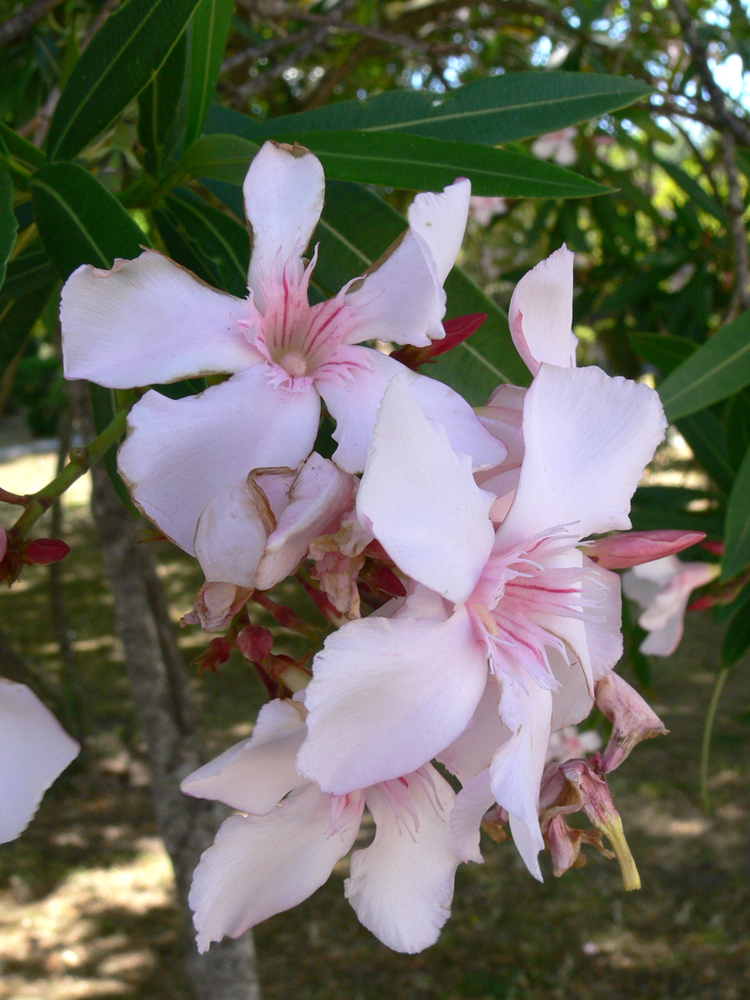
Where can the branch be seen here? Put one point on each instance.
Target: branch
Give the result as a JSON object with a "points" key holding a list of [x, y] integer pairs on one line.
{"points": [[718, 99], [735, 207], [25, 20], [81, 460]]}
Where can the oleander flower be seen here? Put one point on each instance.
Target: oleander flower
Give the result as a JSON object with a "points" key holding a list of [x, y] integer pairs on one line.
{"points": [[663, 589], [292, 835], [150, 321], [34, 750], [522, 602]]}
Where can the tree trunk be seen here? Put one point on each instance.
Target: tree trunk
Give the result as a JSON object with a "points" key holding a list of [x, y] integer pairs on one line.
{"points": [[166, 715]]}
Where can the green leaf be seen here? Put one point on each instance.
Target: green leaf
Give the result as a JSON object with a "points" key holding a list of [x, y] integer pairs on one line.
{"points": [[27, 272], [420, 163], [211, 23], [717, 369], [662, 350], [123, 57], [492, 112], [705, 435], [695, 192], [17, 317], [737, 529], [356, 228], [80, 221], [21, 149], [737, 637], [8, 223], [412, 162], [736, 417], [158, 105], [219, 157], [217, 239]]}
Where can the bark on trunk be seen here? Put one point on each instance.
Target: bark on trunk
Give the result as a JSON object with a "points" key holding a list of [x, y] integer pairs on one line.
{"points": [[166, 716]]}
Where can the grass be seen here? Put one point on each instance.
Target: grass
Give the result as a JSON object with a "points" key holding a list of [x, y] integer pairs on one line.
{"points": [[86, 898]]}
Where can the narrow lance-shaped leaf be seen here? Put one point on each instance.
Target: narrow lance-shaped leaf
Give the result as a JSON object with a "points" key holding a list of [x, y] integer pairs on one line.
{"points": [[737, 528], [737, 637], [8, 223], [27, 272], [705, 435], [717, 369], [80, 221], [123, 57], [493, 111], [158, 106], [210, 31], [417, 163]]}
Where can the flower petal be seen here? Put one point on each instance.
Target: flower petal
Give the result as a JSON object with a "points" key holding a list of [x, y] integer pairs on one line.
{"points": [[517, 767], [354, 406], [147, 321], [387, 695], [284, 190], [472, 751], [34, 750], [318, 497], [231, 536], [587, 440], [401, 886], [440, 221], [472, 802], [180, 454], [256, 774], [400, 299], [419, 499], [541, 313], [262, 865]]}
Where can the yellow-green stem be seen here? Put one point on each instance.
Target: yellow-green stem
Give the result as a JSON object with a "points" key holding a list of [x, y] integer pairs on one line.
{"points": [[81, 460]]}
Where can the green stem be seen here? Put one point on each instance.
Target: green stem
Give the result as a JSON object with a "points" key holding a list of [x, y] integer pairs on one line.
{"points": [[81, 460], [707, 731]]}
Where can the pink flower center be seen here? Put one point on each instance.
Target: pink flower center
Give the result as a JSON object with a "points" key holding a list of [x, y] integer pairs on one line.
{"points": [[297, 340], [516, 587]]}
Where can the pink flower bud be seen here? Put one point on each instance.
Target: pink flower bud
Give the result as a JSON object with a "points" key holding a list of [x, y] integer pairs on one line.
{"points": [[457, 330], [255, 642], [45, 551], [631, 548]]}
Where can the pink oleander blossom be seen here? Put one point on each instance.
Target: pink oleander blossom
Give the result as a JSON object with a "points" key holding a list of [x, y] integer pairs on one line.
{"points": [[34, 750], [557, 146], [150, 321], [292, 835], [522, 601], [663, 589]]}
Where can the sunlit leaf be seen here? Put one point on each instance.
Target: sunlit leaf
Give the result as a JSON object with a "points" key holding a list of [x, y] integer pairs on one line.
{"points": [[737, 530], [717, 369], [80, 221], [210, 30], [123, 57], [493, 111], [8, 222]]}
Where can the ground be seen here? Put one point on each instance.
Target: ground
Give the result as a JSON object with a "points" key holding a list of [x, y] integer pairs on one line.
{"points": [[86, 898]]}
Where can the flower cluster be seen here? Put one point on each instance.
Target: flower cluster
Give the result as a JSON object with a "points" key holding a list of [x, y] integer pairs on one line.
{"points": [[495, 618]]}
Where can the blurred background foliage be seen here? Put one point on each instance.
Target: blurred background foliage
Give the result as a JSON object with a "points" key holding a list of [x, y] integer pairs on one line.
{"points": [[127, 124]]}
